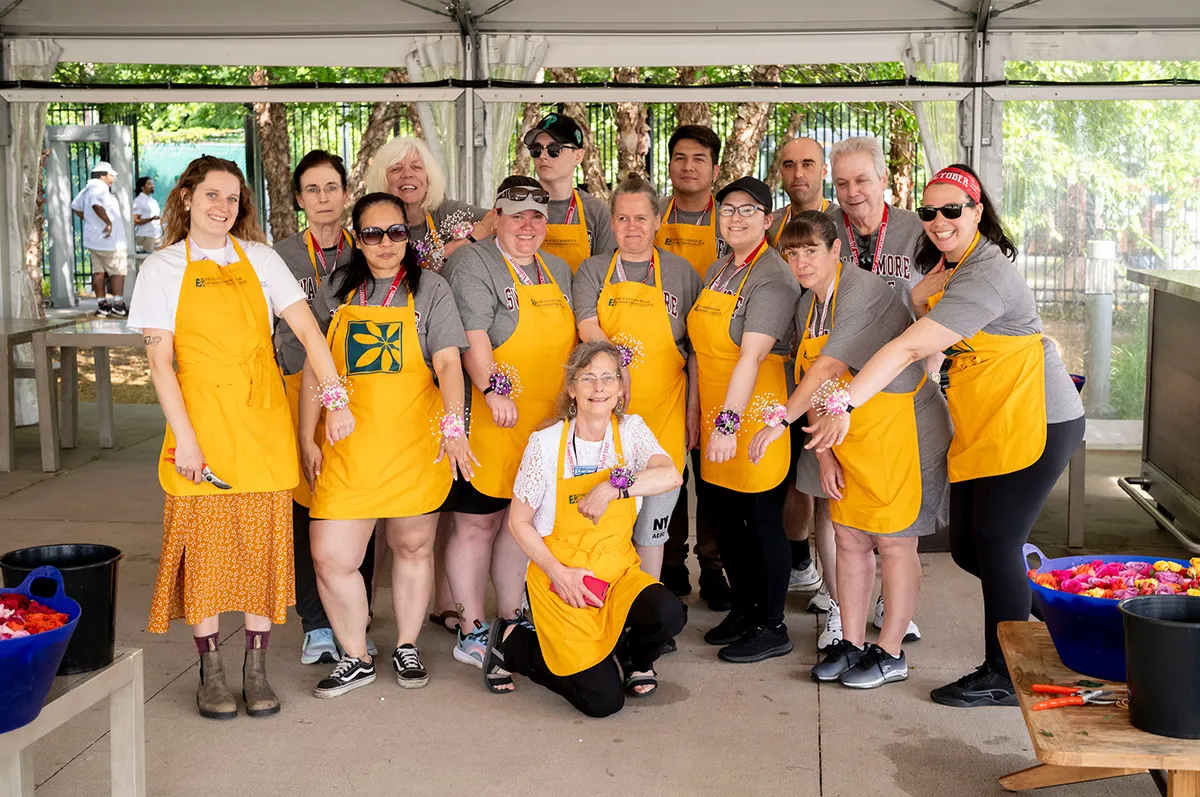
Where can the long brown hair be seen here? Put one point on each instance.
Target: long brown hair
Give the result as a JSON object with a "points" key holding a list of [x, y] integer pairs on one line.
{"points": [[581, 357], [178, 220]]}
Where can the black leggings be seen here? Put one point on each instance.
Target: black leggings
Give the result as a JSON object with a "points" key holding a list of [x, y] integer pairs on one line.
{"points": [[655, 616], [308, 600], [990, 520], [754, 549]]}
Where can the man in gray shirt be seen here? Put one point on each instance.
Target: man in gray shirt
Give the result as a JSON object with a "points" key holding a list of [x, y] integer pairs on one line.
{"points": [[802, 169]]}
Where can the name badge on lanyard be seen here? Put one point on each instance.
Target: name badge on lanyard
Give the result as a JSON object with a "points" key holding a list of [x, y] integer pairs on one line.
{"points": [[584, 470]]}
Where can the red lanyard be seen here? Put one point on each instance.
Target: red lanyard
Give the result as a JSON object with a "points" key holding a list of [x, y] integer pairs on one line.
{"points": [[571, 457], [520, 272], [852, 236], [675, 211], [387, 300], [758, 250], [571, 209], [320, 253], [649, 279]]}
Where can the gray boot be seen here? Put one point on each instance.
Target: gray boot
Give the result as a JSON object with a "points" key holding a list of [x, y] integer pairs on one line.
{"points": [[213, 697], [261, 700]]}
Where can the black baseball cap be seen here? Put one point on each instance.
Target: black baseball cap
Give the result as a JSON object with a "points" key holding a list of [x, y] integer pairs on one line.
{"points": [[756, 188], [561, 128]]}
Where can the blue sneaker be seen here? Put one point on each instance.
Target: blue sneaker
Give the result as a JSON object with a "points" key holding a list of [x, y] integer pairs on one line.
{"points": [[471, 647], [319, 648]]}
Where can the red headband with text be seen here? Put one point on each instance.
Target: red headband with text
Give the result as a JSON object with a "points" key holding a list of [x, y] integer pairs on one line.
{"points": [[959, 178]]}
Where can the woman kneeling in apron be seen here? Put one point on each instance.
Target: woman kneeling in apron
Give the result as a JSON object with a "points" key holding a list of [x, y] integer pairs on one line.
{"points": [[887, 482], [391, 326], [576, 499]]}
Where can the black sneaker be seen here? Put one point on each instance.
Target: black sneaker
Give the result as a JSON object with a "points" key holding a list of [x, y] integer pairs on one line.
{"points": [[118, 310], [839, 658], [676, 579], [714, 589], [410, 672], [103, 308], [876, 668], [761, 643], [984, 687], [731, 629], [349, 674]]}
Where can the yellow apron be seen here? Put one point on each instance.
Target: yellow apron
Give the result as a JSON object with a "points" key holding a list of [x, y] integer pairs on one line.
{"points": [[385, 469], [695, 243], [569, 241], [716, 356], [997, 400], [537, 350], [571, 639], [787, 216], [230, 383], [635, 313], [291, 382], [880, 457]]}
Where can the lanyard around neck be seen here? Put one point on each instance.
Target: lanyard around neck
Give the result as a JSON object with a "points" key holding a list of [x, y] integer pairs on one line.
{"points": [[674, 214], [852, 237], [387, 299]]}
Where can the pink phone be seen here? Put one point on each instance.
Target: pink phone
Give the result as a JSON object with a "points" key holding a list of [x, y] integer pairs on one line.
{"points": [[598, 587]]}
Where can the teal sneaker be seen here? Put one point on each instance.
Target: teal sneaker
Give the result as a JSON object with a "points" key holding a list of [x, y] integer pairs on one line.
{"points": [[319, 648], [471, 647]]}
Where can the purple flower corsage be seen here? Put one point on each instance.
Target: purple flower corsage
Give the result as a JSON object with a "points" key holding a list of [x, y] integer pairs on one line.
{"points": [[500, 383], [728, 422], [621, 478]]}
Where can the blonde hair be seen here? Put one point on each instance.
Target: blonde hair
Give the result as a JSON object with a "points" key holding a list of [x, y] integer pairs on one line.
{"points": [[397, 150], [860, 145], [179, 220], [581, 357]]}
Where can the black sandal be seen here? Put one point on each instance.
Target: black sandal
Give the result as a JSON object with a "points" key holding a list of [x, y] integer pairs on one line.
{"points": [[440, 621], [632, 681], [493, 660]]}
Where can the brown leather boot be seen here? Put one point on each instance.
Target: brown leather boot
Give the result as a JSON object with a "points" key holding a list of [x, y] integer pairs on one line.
{"points": [[213, 697], [261, 700]]}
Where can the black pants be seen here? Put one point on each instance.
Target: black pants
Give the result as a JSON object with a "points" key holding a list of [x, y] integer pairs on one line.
{"points": [[655, 616], [754, 549], [990, 520], [676, 549], [308, 600]]}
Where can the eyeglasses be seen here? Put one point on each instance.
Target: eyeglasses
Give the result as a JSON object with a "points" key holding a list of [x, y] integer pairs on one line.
{"points": [[553, 150], [591, 380], [929, 212], [745, 211], [522, 192], [315, 191], [373, 236]]}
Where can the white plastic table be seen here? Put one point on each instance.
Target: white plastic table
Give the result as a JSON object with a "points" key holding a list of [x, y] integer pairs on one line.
{"points": [[14, 332]]}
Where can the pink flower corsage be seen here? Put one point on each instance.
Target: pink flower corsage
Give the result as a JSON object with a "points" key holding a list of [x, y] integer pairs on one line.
{"points": [[453, 426], [774, 414]]}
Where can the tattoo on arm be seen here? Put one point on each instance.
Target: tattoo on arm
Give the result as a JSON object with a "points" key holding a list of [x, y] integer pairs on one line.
{"points": [[152, 340]]}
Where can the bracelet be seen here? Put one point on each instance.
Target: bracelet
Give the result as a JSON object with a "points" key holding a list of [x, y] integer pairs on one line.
{"points": [[622, 479], [452, 426], [831, 398], [334, 393], [501, 383], [471, 238], [728, 422], [774, 415], [785, 423], [489, 389]]}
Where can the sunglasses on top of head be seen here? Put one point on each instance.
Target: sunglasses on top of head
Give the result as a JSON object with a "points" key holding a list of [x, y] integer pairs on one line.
{"points": [[553, 150], [373, 236], [952, 211], [522, 192]]}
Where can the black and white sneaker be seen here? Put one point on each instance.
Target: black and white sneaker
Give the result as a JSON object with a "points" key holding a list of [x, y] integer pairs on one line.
{"points": [[103, 308], [410, 672], [984, 687], [119, 310], [348, 675], [876, 668], [839, 657]]}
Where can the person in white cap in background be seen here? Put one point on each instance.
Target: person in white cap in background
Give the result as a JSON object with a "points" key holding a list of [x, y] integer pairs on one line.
{"points": [[104, 238], [147, 217]]}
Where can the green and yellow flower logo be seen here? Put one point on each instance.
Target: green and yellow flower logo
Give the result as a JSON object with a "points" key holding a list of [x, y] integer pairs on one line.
{"points": [[372, 348]]}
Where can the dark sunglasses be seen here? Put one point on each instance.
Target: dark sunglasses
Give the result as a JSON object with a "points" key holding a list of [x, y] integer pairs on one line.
{"points": [[929, 212], [373, 236], [522, 192], [553, 150]]}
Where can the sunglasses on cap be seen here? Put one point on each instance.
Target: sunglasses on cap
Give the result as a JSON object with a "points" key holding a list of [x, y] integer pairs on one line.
{"points": [[522, 192], [953, 211], [373, 236], [553, 150]]}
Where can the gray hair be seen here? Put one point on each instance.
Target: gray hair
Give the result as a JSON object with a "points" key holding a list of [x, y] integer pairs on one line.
{"points": [[636, 184], [860, 145], [580, 358]]}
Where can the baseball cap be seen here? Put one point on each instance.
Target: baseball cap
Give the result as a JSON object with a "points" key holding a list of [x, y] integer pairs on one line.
{"points": [[562, 129], [104, 167], [756, 188], [511, 206]]}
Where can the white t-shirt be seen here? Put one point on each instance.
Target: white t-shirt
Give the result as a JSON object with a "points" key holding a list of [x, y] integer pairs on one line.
{"points": [[97, 192], [536, 484], [156, 294], [146, 206]]}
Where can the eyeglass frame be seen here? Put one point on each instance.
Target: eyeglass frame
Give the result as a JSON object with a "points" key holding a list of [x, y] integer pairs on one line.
{"points": [[548, 149], [314, 190], [538, 195], [403, 229], [591, 380], [740, 210], [958, 207]]}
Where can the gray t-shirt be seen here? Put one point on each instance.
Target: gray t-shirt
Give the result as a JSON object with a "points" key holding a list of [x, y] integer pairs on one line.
{"points": [[781, 214], [768, 299], [898, 260], [485, 292], [294, 251], [450, 218], [703, 217], [438, 323], [680, 285], [599, 226], [989, 294]]}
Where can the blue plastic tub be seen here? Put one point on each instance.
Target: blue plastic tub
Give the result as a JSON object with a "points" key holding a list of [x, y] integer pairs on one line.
{"points": [[1088, 633], [29, 663]]}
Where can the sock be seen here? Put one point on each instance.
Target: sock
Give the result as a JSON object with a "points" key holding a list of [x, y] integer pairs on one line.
{"points": [[206, 644], [801, 554], [257, 640]]}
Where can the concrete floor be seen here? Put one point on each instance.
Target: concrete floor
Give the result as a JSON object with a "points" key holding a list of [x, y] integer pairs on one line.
{"points": [[713, 728]]}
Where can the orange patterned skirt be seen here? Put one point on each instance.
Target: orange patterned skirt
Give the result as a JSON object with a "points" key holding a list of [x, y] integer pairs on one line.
{"points": [[224, 553]]}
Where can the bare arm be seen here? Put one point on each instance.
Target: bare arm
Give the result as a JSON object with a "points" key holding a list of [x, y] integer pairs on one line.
{"points": [[339, 423], [480, 363], [589, 330], [160, 350], [78, 213], [755, 348], [448, 366], [693, 402], [823, 368], [102, 214], [923, 338]]}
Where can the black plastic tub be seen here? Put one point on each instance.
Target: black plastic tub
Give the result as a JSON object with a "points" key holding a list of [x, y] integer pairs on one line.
{"points": [[1162, 651]]}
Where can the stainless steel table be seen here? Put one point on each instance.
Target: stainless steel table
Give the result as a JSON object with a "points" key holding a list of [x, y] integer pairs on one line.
{"points": [[14, 332], [99, 335]]}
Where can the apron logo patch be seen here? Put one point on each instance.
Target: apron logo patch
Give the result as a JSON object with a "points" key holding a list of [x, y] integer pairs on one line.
{"points": [[576, 498], [372, 348], [216, 282]]}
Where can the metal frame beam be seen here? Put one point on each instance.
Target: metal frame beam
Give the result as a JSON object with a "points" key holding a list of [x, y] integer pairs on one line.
{"points": [[136, 93], [565, 92]]}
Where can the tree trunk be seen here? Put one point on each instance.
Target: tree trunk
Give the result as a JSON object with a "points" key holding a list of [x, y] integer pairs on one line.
{"points": [[271, 118], [33, 247], [380, 124], [521, 161], [902, 155], [692, 113], [749, 128], [774, 179], [633, 134], [593, 164]]}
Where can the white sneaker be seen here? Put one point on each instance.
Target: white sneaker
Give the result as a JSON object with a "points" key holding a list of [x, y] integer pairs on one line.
{"points": [[821, 601], [833, 628], [805, 580], [913, 634]]}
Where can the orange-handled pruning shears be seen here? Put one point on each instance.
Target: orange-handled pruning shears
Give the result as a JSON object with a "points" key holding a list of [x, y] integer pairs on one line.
{"points": [[1073, 696], [205, 473]]}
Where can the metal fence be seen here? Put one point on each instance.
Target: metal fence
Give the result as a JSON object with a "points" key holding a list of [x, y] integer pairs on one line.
{"points": [[312, 126]]}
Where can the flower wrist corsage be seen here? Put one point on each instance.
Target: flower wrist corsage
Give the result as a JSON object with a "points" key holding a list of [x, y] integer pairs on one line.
{"points": [[774, 415], [500, 383], [453, 426], [622, 479], [728, 422], [831, 398], [334, 393]]}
